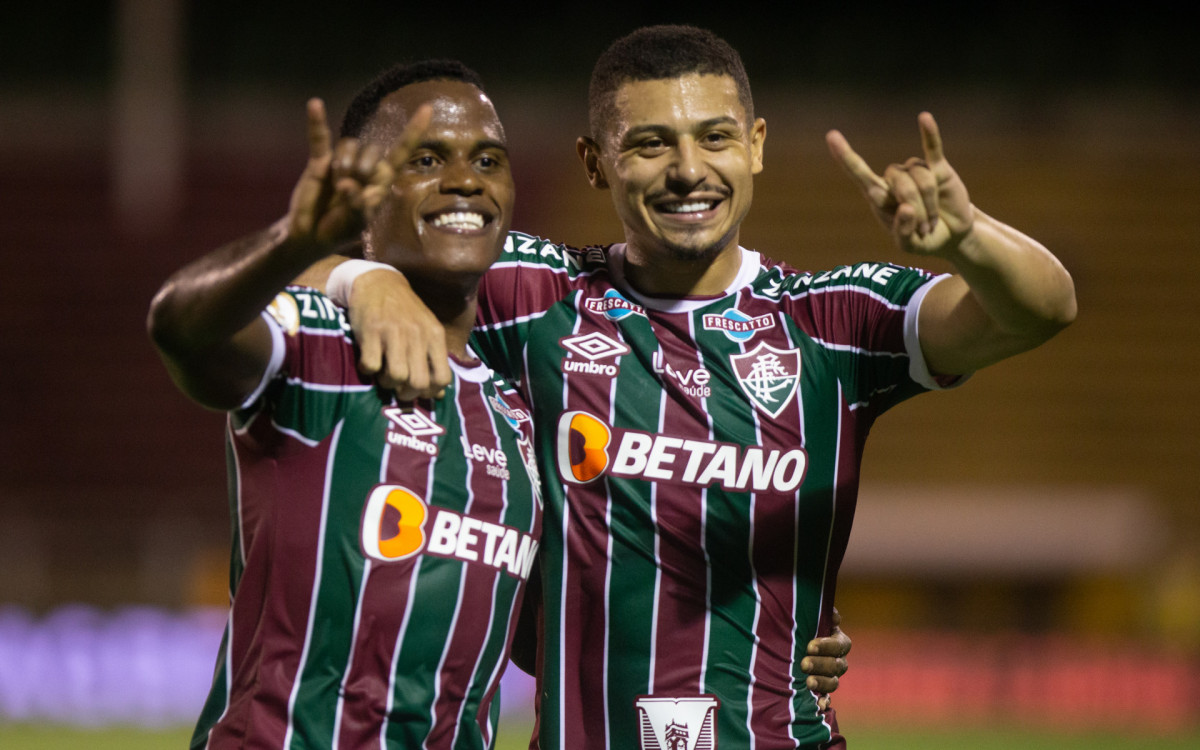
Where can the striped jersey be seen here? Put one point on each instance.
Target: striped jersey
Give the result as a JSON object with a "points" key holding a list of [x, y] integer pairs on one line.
{"points": [[700, 463], [380, 551]]}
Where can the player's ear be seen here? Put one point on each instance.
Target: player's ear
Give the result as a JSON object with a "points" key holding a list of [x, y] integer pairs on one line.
{"points": [[758, 136], [589, 154]]}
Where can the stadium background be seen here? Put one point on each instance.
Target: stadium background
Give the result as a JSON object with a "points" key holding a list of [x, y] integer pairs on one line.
{"points": [[1027, 548]]}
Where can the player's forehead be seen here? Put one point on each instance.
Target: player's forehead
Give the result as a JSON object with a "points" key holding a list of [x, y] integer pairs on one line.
{"points": [[676, 102], [460, 111]]}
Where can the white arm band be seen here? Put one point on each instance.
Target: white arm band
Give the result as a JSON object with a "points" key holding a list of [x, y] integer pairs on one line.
{"points": [[341, 279]]}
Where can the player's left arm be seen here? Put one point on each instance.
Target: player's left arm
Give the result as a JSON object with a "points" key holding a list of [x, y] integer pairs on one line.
{"points": [[1009, 295]]}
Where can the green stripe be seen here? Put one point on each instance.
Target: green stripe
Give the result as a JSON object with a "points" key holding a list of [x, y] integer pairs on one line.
{"points": [[354, 473], [633, 586], [437, 583]]}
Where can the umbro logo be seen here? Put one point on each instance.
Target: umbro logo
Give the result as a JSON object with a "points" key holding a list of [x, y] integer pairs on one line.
{"points": [[591, 347], [417, 424]]}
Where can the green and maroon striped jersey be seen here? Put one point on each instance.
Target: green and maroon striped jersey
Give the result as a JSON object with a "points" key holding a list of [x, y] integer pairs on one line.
{"points": [[380, 551], [700, 463]]}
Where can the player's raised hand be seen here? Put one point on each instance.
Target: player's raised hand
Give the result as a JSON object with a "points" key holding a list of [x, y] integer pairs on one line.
{"points": [[922, 201], [344, 183]]}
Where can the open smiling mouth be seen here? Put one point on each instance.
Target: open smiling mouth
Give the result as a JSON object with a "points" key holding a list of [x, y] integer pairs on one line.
{"points": [[686, 207], [458, 221]]}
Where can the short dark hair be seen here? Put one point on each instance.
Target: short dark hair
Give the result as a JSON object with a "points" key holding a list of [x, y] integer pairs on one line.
{"points": [[366, 102], [653, 53]]}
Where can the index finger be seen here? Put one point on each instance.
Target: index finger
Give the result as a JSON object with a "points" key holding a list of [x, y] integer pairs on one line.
{"points": [[318, 129], [411, 135], [855, 165], [931, 139]]}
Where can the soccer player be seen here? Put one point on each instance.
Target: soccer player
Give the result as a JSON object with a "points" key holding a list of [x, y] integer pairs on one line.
{"points": [[380, 549], [701, 410]]}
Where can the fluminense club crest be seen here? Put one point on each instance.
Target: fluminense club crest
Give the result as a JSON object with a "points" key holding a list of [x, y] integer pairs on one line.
{"points": [[769, 376], [686, 723]]}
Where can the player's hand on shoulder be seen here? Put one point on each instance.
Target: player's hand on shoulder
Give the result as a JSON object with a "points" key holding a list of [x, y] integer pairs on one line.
{"points": [[401, 342]]}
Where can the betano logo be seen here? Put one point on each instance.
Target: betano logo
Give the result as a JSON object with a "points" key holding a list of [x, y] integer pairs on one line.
{"points": [[394, 528], [588, 448], [393, 525]]}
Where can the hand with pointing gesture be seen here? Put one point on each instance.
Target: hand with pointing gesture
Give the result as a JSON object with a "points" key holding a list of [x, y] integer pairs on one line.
{"points": [[922, 202], [343, 184]]}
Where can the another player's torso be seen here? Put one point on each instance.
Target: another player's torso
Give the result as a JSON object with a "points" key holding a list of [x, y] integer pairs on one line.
{"points": [[679, 447], [380, 556], [701, 464]]}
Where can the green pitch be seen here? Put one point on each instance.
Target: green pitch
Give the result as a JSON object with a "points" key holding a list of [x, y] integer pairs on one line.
{"points": [[45, 737]]}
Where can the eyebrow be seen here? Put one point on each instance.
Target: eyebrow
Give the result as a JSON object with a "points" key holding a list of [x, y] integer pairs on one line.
{"points": [[441, 146], [659, 128]]}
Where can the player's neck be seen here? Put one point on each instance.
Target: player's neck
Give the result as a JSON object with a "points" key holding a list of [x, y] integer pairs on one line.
{"points": [[679, 274], [454, 305]]}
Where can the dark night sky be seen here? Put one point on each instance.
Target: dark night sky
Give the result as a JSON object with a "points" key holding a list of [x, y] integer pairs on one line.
{"points": [[1034, 47]]}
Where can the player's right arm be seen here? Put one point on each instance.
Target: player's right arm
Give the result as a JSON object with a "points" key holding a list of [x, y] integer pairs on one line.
{"points": [[206, 318]]}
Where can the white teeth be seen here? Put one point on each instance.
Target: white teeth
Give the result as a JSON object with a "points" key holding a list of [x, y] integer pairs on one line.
{"points": [[458, 220], [684, 208]]}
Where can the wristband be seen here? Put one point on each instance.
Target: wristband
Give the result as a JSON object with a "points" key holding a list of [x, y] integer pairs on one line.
{"points": [[341, 279]]}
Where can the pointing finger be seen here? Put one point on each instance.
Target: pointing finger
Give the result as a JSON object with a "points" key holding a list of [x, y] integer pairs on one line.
{"points": [[858, 169], [931, 139], [318, 130], [411, 135]]}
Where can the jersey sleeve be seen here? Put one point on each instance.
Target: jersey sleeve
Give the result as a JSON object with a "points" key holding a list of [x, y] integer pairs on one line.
{"points": [[530, 277], [313, 368], [865, 316]]}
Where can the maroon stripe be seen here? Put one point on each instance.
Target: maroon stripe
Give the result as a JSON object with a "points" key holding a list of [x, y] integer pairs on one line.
{"points": [[271, 608], [328, 359], [582, 719], [682, 606], [511, 291], [463, 654], [774, 540], [381, 613], [774, 558], [477, 594], [367, 678], [587, 549], [842, 316]]}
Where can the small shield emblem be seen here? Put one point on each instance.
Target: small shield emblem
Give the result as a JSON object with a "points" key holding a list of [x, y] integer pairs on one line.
{"points": [[769, 376]]}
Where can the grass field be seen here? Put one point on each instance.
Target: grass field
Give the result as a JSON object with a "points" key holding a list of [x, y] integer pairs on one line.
{"points": [[42, 737]]}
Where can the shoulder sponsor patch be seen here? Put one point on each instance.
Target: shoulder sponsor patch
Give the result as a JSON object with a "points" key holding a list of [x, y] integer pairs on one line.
{"points": [[737, 325], [613, 306], [512, 415], [285, 312]]}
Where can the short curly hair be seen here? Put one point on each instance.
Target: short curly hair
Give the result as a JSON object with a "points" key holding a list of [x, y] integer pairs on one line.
{"points": [[662, 51], [365, 103]]}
